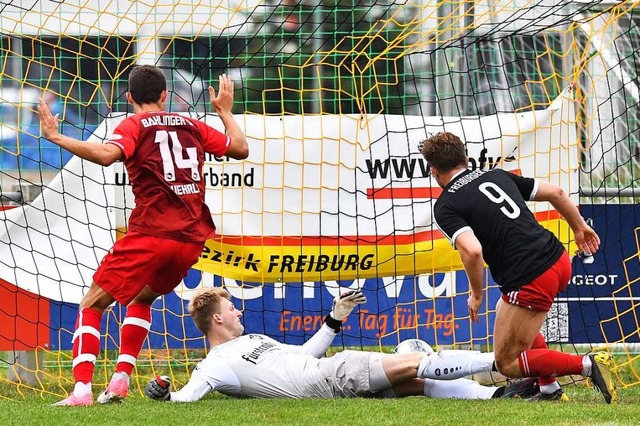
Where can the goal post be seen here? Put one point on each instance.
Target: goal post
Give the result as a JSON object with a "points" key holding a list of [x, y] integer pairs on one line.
{"points": [[334, 194]]}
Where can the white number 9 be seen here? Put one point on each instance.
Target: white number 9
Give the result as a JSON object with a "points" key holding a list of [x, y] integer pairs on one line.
{"points": [[495, 194]]}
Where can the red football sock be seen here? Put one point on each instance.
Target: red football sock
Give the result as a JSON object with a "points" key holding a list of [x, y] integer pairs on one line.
{"points": [[540, 343], [86, 344], [135, 328], [548, 363]]}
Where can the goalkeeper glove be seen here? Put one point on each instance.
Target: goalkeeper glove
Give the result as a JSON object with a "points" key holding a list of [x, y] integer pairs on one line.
{"points": [[159, 388], [344, 304]]}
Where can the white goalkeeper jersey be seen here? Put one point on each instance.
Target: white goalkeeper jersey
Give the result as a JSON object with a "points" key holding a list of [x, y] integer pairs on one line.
{"points": [[255, 365]]}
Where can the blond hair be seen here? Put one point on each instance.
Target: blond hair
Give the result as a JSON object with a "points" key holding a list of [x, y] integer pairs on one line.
{"points": [[204, 305]]}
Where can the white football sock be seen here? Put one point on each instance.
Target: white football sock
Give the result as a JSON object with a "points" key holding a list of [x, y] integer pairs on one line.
{"points": [[459, 388], [550, 388], [586, 366], [449, 365], [119, 374], [81, 389]]}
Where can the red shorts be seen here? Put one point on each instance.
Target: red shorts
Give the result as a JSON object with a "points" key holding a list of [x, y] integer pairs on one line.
{"points": [[538, 295], [139, 260]]}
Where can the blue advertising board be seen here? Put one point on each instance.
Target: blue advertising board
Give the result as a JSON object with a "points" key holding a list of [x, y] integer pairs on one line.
{"points": [[598, 300]]}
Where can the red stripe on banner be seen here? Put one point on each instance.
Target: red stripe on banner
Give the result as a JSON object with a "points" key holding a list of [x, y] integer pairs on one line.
{"points": [[24, 319], [403, 193], [415, 192], [7, 207], [401, 239], [548, 215]]}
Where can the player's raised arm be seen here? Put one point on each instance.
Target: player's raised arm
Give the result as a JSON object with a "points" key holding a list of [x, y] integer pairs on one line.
{"points": [[586, 238], [222, 103], [103, 154], [343, 305]]}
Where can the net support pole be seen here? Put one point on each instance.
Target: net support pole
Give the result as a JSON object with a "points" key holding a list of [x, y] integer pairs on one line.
{"points": [[148, 46], [447, 25], [25, 366]]}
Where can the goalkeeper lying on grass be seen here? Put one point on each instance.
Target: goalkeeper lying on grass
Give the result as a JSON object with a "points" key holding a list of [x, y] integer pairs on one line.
{"points": [[255, 365]]}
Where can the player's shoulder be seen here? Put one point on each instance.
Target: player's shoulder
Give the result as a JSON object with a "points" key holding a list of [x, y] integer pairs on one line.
{"points": [[127, 130], [200, 124], [505, 176], [258, 337], [446, 205], [204, 364], [497, 173], [443, 200], [212, 364], [502, 174], [498, 176], [440, 201], [240, 340], [497, 170], [132, 120]]}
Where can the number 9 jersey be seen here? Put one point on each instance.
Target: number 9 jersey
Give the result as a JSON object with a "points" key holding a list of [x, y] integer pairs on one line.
{"points": [[492, 204], [164, 155]]}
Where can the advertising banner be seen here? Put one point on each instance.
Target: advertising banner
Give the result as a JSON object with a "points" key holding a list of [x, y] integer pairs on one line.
{"points": [[322, 203]]}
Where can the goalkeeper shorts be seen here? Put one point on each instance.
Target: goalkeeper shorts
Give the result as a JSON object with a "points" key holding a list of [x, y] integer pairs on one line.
{"points": [[354, 373], [538, 295], [138, 260]]}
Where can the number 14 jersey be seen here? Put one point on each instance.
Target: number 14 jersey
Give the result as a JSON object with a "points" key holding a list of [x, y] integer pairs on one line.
{"points": [[164, 154], [492, 204]]}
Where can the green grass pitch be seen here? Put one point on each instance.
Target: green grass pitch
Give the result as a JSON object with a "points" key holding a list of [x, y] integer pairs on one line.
{"points": [[586, 408]]}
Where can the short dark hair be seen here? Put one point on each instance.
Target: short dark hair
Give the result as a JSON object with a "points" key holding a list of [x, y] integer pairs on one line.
{"points": [[204, 305], [444, 151], [146, 84]]}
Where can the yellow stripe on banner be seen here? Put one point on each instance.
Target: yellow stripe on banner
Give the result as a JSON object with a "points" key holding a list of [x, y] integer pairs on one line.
{"points": [[316, 262]]}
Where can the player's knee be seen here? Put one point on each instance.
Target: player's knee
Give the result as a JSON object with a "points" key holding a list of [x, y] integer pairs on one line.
{"points": [[97, 299], [408, 361], [138, 300], [413, 362], [508, 366], [145, 297], [97, 303]]}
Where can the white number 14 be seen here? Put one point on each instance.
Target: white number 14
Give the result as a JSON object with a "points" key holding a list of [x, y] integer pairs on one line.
{"points": [[191, 162]]}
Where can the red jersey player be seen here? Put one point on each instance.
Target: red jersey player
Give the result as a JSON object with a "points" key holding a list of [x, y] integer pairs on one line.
{"points": [[163, 153]]}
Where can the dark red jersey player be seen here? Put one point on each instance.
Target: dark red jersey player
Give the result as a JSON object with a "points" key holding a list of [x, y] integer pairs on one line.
{"points": [[164, 154]]}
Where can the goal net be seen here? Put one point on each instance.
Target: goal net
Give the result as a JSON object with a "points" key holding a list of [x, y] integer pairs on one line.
{"points": [[334, 97]]}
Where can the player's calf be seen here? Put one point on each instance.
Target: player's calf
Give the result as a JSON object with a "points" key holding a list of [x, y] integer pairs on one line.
{"points": [[454, 364]]}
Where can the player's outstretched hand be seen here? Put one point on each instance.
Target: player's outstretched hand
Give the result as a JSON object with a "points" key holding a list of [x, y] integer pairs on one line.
{"points": [[587, 240], [344, 304], [158, 388], [223, 101], [473, 303], [48, 122]]}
